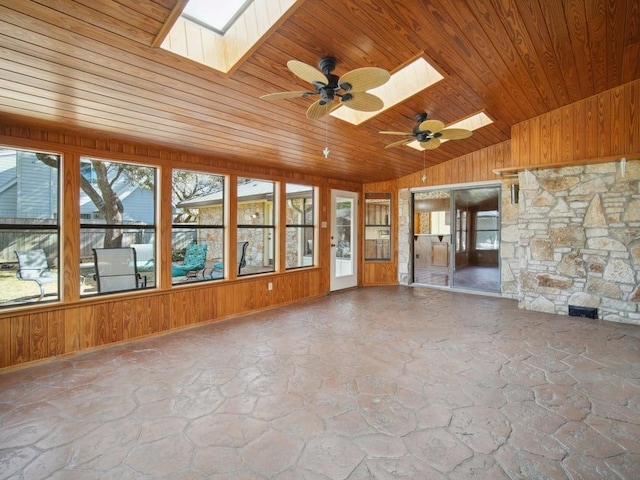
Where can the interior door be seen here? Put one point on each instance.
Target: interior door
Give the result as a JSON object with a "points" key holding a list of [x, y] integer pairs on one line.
{"points": [[344, 255]]}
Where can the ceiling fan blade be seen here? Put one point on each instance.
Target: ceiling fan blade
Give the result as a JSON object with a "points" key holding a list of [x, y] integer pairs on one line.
{"points": [[362, 79], [399, 143], [275, 96], [406, 134], [431, 143], [455, 133], [316, 110], [306, 72], [433, 126], [363, 102]]}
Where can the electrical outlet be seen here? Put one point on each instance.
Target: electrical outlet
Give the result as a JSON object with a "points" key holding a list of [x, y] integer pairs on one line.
{"points": [[270, 286]]}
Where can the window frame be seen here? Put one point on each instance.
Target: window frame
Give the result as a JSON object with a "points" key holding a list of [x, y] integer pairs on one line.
{"points": [[210, 273], [378, 225], [304, 226], [272, 227], [144, 229], [496, 230], [53, 228]]}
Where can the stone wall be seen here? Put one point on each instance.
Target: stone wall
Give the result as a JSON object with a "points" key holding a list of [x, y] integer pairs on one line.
{"points": [[578, 232], [509, 242], [405, 237]]}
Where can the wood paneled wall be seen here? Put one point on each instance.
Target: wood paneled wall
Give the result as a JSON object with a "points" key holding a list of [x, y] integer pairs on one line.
{"points": [[597, 129], [38, 332], [478, 166]]}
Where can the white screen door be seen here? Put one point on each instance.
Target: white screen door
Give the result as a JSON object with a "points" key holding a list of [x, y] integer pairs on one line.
{"points": [[344, 255]]}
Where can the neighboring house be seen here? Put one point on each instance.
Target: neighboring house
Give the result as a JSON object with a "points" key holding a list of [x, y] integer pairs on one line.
{"points": [[256, 207], [21, 172], [38, 194], [28, 195]]}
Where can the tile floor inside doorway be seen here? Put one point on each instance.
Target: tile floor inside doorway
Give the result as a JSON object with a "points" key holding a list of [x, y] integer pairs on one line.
{"points": [[481, 278], [373, 383]]}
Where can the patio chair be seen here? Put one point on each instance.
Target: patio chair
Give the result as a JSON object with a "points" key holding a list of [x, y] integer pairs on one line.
{"points": [[144, 256], [194, 261], [33, 265], [116, 270], [241, 258]]}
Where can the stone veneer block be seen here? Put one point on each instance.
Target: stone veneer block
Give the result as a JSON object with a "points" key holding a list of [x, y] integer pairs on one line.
{"points": [[595, 214], [619, 271], [557, 184], [601, 287], [605, 243], [541, 249], [572, 265], [554, 281], [597, 185], [632, 212], [572, 236]]}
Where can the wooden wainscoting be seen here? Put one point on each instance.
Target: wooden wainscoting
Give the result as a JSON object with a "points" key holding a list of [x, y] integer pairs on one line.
{"points": [[55, 330]]}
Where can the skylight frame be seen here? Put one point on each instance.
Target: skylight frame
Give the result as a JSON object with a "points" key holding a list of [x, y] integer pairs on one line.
{"points": [[205, 24]]}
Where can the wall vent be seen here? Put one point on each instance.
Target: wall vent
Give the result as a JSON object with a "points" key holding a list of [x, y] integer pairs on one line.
{"points": [[587, 312]]}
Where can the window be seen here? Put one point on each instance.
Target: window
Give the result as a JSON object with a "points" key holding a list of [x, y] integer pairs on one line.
{"points": [[29, 227], [461, 230], [256, 225], [377, 236], [197, 236], [118, 210], [487, 230], [218, 15], [300, 226]]}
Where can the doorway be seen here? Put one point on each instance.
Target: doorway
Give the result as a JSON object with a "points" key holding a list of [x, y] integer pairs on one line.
{"points": [[456, 238], [344, 265]]}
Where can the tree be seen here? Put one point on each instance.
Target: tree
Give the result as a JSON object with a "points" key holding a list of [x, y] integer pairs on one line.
{"points": [[104, 197], [186, 185]]}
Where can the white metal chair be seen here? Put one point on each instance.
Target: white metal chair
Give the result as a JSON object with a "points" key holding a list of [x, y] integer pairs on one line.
{"points": [[144, 256], [116, 270], [33, 265]]}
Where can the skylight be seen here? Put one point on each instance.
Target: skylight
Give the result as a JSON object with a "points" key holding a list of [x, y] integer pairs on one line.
{"points": [[404, 83], [218, 15], [473, 122]]}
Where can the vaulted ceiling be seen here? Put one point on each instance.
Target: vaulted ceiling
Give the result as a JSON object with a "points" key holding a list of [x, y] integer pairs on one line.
{"points": [[88, 66]]}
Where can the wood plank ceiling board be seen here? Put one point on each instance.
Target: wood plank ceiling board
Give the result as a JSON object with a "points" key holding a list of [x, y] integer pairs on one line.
{"points": [[88, 66]]}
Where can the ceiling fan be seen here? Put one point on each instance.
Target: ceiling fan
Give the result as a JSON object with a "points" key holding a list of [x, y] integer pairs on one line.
{"points": [[429, 133], [350, 88]]}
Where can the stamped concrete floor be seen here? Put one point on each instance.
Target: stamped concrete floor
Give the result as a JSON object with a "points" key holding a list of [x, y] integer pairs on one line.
{"points": [[375, 383]]}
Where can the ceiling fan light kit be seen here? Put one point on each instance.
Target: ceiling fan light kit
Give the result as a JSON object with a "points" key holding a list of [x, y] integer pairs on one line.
{"points": [[350, 88]]}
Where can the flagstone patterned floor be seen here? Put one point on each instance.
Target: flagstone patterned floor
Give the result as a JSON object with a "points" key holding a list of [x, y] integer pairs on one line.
{"points": [[374, 383]]}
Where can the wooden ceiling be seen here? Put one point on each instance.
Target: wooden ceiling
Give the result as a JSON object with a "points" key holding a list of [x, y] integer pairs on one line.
{"points": [[88, 66]]}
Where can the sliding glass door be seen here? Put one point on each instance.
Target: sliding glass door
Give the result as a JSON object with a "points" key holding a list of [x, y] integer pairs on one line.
{"points": [[432, 238], [456, 238]]}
